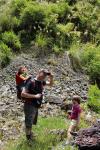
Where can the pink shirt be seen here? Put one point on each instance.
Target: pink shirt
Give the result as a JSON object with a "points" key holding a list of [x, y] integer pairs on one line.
{"points": [[76, 110]]}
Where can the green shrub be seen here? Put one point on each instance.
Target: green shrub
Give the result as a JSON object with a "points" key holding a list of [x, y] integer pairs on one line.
{"points": [[12, 40], [75, 36], [43, 44], [90, 59], [94, 98], [75, 55], [17, 6], [85, 16], [41, 41], [61, 9], [50, 29], [26, 37], [85, 53], [64, 38], [5, 54], [8, 22], [89, 52], [55, 14], [57, 50], [65, 29], [33, 17], [94, 68], [84, 9]]}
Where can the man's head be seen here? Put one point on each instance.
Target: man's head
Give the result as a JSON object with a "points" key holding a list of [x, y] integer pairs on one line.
{"points": [[42, 74], [76, 99]]}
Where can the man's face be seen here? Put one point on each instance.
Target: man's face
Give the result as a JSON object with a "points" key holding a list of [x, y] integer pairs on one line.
{"points": [[41, 75]]}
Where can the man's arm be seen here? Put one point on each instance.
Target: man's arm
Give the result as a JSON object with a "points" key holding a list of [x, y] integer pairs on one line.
{"points": [[25, 94], [50, 80]]}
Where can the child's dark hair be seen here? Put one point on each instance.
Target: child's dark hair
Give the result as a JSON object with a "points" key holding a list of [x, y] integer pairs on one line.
{"points": [[77, 99]]}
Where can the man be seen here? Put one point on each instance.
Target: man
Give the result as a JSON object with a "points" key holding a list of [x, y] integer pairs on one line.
{"points": [[33, 95]]}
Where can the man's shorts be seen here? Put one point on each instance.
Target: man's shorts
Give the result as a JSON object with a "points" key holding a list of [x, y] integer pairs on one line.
{"points": [[74, 122], [31, 115]]}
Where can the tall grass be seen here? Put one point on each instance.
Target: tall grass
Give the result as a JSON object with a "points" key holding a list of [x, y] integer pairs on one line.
{"points": [[44, 139]]}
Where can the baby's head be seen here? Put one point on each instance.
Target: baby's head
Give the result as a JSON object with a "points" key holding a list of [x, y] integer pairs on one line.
{"points": [[22, 70], [76, 99]]}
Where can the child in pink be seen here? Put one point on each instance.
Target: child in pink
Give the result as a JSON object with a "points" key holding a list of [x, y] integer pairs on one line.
{"points": [[75, 117]]}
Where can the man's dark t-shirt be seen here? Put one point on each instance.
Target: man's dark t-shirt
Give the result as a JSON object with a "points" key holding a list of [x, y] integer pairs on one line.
{"points": [[35, 87]]}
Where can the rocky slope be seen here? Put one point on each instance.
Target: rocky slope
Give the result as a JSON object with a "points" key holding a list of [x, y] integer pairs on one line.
{"points": [[66, 84]]}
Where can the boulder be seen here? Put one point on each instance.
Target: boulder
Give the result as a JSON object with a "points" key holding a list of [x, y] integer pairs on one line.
{"points": [[89, 138], [53, 99], [66, 106]]}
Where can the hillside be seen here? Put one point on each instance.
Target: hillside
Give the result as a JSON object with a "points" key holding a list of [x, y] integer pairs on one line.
{"points": [[66, 83], [52, 27], [64, 37]]}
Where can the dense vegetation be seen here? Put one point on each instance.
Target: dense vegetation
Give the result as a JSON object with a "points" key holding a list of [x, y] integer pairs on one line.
{"points": [[94, 99], [53, 27], [45, 140]]}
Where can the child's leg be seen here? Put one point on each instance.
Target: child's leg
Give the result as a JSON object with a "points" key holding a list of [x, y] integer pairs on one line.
{"points": [[71, 129], [76, 128]]}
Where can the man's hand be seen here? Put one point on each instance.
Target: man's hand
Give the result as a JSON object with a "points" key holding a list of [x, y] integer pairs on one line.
{"points": [[38, 96], [25, 94], [50, 80]]}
